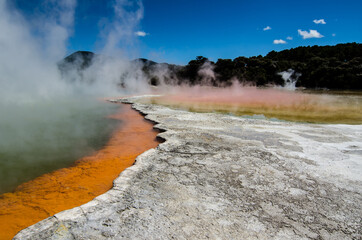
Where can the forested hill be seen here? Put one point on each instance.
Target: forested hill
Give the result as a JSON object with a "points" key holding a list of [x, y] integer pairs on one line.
{"points": [[331, 67]]}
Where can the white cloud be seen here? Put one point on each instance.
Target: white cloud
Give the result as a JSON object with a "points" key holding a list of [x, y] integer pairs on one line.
{"points": [[333, 34], [310, 34], [320, 21], [290, 38], [140, 33], [279, 41], [266, 28]]}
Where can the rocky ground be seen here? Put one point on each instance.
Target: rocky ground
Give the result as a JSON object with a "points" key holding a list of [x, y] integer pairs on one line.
{"points": [[224, 177]]}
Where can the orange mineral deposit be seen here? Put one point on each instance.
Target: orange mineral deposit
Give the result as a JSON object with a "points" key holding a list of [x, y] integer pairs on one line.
{"points": [[89, 177]]}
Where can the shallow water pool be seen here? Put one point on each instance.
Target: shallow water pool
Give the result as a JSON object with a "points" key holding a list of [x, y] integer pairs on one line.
{"points": [[37, 138]]}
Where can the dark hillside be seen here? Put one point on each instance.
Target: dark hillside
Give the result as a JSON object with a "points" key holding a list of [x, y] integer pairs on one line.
{"points": [[331, 67]]}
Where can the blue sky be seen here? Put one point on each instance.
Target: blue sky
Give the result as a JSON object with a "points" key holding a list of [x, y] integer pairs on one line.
{"points": [[179, 30]]}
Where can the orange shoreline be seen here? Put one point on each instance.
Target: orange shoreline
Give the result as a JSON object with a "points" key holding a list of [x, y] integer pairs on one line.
{"points": [[89, 177]]}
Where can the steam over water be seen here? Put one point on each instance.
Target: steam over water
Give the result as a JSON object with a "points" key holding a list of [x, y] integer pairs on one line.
{"points": [[46, 121], [290, 78], [36, 139], [276, 103]]}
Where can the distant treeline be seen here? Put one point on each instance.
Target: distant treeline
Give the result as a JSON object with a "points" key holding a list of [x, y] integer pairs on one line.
{"points": [[332, 67]]}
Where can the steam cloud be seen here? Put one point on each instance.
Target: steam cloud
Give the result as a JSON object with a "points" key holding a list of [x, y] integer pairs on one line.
{"points": [[27, 62], [46, 118], [118, 36], [58, 111], [290, 78], [207, 73]]}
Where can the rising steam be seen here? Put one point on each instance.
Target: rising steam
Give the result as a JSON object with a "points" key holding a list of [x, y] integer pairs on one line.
{"points": [[43, 106], [48, 121], [265, 102], [290, 78], [118, 37]]}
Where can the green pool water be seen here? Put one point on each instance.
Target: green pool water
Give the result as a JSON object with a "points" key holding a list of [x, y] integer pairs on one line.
{"points": [[41, 137]]}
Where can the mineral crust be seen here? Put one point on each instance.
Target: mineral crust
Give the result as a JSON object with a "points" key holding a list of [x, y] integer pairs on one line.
{"points": [[225, 177]]}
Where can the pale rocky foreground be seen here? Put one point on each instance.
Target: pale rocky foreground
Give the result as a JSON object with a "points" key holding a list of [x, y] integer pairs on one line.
{"points": [[225, 177]]}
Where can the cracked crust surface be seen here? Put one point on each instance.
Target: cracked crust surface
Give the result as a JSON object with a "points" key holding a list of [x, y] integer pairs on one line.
{"points": [[223, 177]]}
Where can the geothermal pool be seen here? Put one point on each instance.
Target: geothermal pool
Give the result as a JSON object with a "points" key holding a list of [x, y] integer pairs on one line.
{"points": [[40, 137], [300, 106], [89, 177], [73, 134], [227, 177]]}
